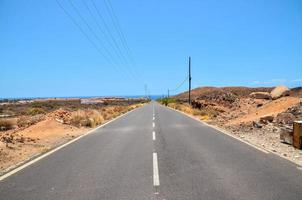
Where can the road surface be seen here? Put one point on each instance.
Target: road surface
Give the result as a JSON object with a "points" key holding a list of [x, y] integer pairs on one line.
{"points": [[156, 153]]}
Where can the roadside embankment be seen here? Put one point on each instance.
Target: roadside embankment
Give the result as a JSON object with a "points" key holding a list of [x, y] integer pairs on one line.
{"points": [[31, 129], [250, 114]]}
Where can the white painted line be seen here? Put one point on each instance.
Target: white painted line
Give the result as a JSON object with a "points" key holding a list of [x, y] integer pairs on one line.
{"points": [[153, 124], [153, 135], [153, 118], [155, 170], [59, 147], [230, 135]]}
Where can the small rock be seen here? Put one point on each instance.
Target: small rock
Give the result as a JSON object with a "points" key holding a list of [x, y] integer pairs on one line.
{"points": [[259, 105], [266, 119], [256, 125], [285, 118]]}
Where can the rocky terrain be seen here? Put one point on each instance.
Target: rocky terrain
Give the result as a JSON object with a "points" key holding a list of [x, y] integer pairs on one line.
{"points": [[257, 115]]}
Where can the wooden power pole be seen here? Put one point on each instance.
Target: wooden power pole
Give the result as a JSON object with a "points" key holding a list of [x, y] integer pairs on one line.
{"points": [[190, 80]]}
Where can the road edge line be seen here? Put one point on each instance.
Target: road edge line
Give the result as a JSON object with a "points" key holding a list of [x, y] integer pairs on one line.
{"points": [[23, 164], [222, 131], [299, 166]]}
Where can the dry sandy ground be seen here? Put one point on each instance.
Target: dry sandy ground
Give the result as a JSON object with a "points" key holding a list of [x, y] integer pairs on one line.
{"points": [[43, 136], [272, 108]]}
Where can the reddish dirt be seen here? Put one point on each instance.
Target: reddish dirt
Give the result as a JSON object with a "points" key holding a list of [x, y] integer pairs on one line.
{"points": [[234, 110], [40, 137], [272, 108]]}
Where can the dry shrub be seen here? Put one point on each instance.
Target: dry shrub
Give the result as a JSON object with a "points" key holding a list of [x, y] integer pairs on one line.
{"points": [[205, 118], [105, 115], [89, 118], [178, 107], [78, 118], [196, 112], [6, 124], [186, 109], [118, 109], [203, 114], [94, 118]]}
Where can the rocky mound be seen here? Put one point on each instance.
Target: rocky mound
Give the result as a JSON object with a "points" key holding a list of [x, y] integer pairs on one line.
{"points": [[296, 92], [218, 96], [238, 91], [61, 115]]}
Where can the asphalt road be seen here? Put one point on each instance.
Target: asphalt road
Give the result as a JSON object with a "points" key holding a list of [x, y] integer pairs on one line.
{"points": [[168, 156]]}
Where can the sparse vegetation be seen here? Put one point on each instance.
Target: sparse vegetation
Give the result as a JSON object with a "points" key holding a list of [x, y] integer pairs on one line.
{"points": [[35, 111], [89, 118], [166, 101], [204, 113], [6, 124]]}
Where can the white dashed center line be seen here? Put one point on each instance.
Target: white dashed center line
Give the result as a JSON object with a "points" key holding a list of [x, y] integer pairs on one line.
{"points": [[155, 162], [155, 170]]}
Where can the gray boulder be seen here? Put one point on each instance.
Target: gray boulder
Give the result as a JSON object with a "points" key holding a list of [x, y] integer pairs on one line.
{"points": [[280, 91]]}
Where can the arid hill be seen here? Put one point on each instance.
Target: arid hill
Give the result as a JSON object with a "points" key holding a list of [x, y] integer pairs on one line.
{"points": [[257, 115], [239, 91]]}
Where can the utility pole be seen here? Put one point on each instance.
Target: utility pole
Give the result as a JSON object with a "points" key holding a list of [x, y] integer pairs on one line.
{"points": [[168, 93], [146, 88], [190, 78]]}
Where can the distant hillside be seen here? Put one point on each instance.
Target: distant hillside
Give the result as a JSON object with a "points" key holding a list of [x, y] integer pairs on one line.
{"points": [[239, 91], [296, 92]]}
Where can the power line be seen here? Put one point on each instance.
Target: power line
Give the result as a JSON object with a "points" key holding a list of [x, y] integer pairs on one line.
{"points": [[118, 28], [89, 38], [109, 58], [108, 32], [179, 85], [91, 29], [190, 78], [101, 29], [96, 36], [82, 31]]}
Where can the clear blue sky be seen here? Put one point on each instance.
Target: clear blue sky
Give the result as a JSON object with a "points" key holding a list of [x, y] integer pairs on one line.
{"points": [[232, 42]]}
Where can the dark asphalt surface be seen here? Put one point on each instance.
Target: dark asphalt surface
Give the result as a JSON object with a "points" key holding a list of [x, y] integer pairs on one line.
{"points": [[194, 162]]}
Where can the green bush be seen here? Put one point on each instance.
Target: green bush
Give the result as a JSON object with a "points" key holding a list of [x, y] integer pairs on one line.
{"points": [[35, 111], [166, 101]]}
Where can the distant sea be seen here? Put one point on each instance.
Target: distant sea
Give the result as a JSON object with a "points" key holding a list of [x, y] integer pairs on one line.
{"points": [[153, 97]]}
